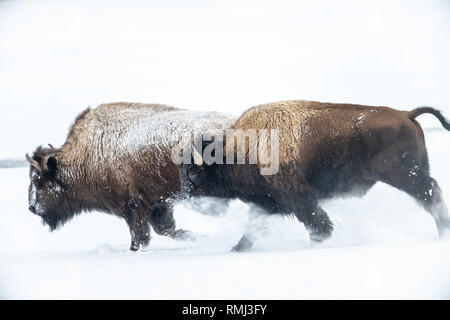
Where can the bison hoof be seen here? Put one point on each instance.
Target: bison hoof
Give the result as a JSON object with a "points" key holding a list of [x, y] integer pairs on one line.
{"points": [[134, 247], [243, 245], [317, 238], [181, 234], [444, 233]]}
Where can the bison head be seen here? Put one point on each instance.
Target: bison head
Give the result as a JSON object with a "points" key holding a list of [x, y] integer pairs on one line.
{"points": [[48, 195], [200, 178]]}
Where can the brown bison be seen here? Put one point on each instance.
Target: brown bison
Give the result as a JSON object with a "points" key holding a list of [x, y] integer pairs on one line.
{"points": [[325, 150], [117, 159]]}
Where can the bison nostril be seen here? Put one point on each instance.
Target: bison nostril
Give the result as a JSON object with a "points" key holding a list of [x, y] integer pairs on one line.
{"points": [[32, 208]]}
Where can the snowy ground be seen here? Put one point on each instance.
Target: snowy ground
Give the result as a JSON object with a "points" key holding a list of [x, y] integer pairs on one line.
{"points": [[384, 246], [58, 57]]}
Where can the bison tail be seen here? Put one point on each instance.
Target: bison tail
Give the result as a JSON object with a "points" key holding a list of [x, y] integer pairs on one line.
{"points": [[417, 112]]}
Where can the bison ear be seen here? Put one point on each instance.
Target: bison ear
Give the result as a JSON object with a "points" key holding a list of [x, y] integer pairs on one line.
{"points": [[49, 163]]}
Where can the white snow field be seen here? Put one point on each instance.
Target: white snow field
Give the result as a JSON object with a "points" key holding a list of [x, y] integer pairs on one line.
{"points": [[58, 57], [384, 246]]}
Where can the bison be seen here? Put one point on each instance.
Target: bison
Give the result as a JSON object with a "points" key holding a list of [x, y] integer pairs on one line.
{"points": [[117, 159], [325, 150]]}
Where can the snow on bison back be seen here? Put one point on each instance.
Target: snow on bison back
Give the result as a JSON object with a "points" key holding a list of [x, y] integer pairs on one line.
{"points": [[117, 159]]}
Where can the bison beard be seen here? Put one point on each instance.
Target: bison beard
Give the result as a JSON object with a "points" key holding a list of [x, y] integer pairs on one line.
{"points": [[327, 150], [52, 220]]}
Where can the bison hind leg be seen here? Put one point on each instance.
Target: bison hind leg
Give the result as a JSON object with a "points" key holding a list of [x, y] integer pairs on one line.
{"points": [[434, 203], [423, 188], [163, 223], [439, 211]]}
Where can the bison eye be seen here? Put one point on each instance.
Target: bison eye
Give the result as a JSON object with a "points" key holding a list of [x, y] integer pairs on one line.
{"points": [[194, 177]]}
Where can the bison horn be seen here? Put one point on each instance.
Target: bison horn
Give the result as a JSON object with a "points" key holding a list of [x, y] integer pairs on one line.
{"points": [[51, 146], [34, 163], [198, 159]]}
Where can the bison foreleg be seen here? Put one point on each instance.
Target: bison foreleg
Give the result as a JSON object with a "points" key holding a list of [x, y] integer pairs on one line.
{"points": [[244, 244], [255, 228], [315, 219], [138, 224], [140, 232], [162, 221]]}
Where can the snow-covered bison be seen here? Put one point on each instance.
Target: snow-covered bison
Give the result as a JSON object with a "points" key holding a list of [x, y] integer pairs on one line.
{"points": [[117, 159], [326, 150]]}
